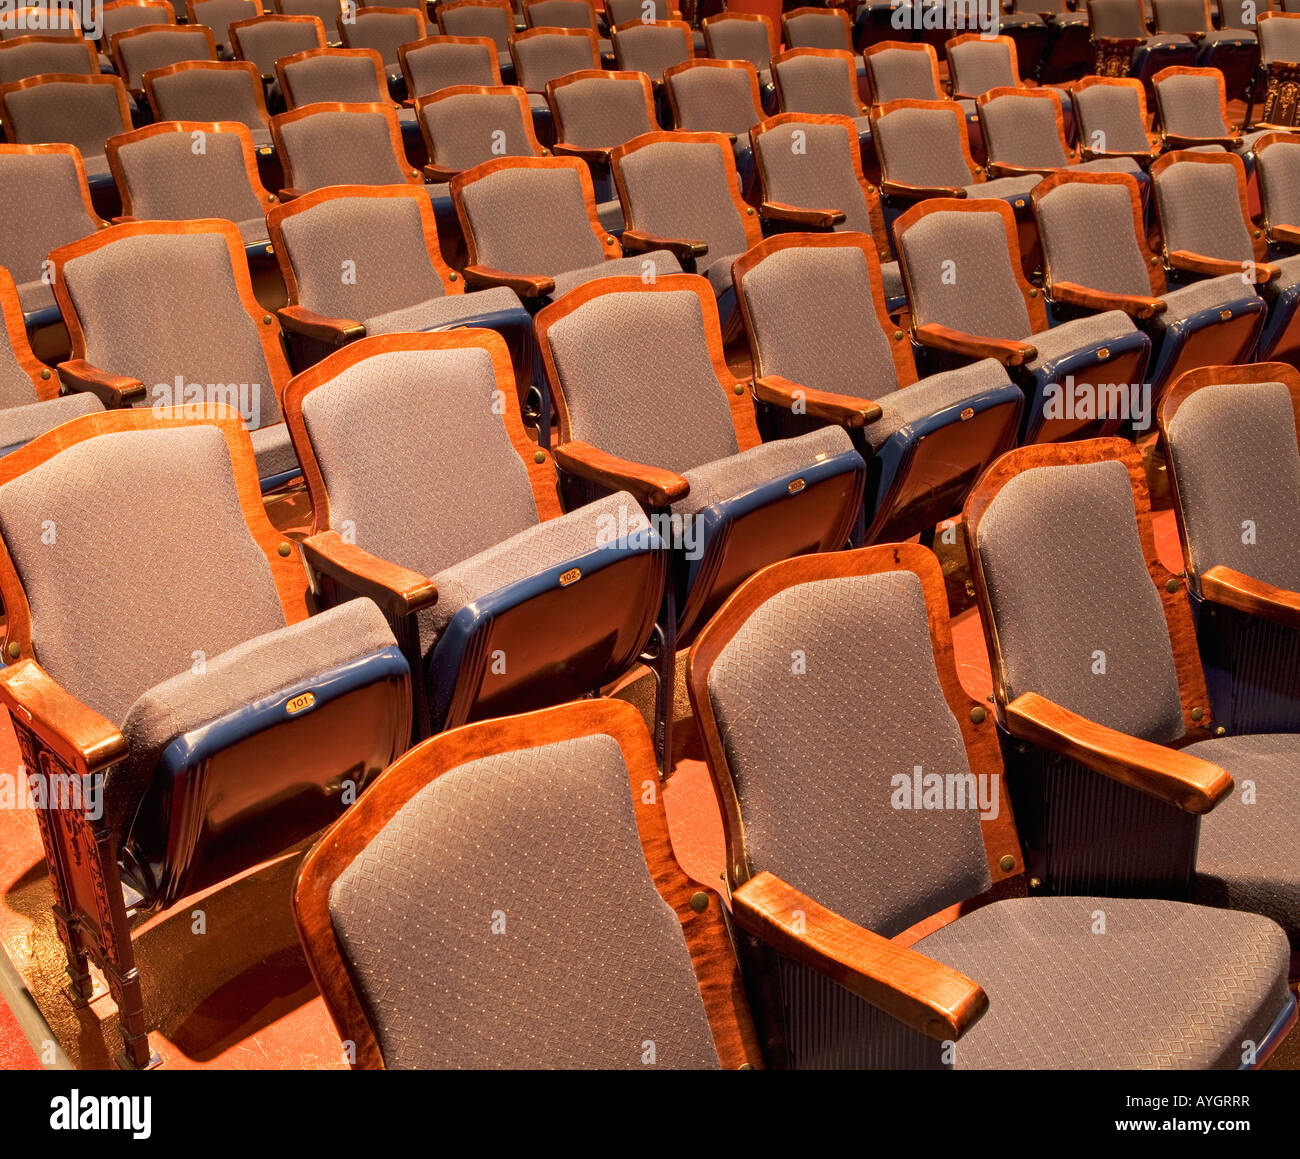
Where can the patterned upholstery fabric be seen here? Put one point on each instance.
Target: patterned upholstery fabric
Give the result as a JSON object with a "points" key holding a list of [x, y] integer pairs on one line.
{"points": [[650, 49], [561, 14], [384, 32], [1189, 106], [570, 986], [1054, 344], [715, 100], [1113, 112], [45, 212], [922, 147], [439, 66], [979, 66], [935, 393], [1200, 211], [738, 40], [1279, 40], [1212, 293], [464, 129], [479, 20], [1118, 19], [1108, 165], [1003, 187], [1233, 451], [152, 50], [74, 114], [821, 177], [326, 11], [815, 748], [1168, 986], [1245, 859], [1289, 273], [817, 30], [1238, 15], [1072, 217], [23, 419], [341, 148], [625, 11], [19, 61], [209, 94], [120, 19], [816, 84], [273, 450], [264, 44], [441, 313], [166, 306], [1023, 133], [1278, 171], [545, 58], [219, 15], [602, 112], [332, 78], [901, 74], [1070, 592], [663, 263], [1180, 15], [639, 383]]}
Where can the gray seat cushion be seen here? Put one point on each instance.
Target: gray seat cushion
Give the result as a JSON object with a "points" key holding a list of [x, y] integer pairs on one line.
{"points": [[438, 313], [1247, 856], [1289, 266], [718, 271], [273, 450], [610, 215], [923, 398], [1167, 986], [892, 279], [664, 263], [254, 231], [1108, 165], [21, 424], [736, 474], [1059, 341], [1209, 294], [1003, 187]]}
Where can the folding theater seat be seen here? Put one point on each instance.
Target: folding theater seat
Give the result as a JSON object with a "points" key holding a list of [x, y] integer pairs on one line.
{"points": [[490, 18], [123, 14], [825, 351], [265, 39], [680, 192], [150, 46], [430, 502], [541, 55], [331, 76], [48, 200], [1207, 229], [566, 14], [1193, 108], [593, 113], [162, 313], [438, 62], [465, 125], [892, 951], [32, 56], [1277, 171], [1068, 54], [75, 110], [385, 239], [445, 822], [971, 300], [1211, 323], [628, 11], [718, 96], [742, 36], [652, 48], [30, 403], [899, 70], [977, 63], [1233, 51], [22, 20], [326, 11], [825, 28], [1124, 45], [384, 30], [810, 176], [219, 90], [820, 80], [1121, 779], [1279, 50], [1111, 119], [1234, 467], [222, 724]]}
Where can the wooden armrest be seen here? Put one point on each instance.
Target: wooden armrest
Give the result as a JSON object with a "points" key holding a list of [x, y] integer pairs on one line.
{"points": [[683, 249], [920, 192], [1135, 305], [592, 154], [1007, 352], [926, 995], [1286, 234], [439, 174], [1218, 267], [76, 734], [1232, 589], [397, 590], [1177, 778], [525, 285], [842, 409], [1003, 169], [652, 485], [290, 194], [818, 218], [337, 331], [113, 390]]}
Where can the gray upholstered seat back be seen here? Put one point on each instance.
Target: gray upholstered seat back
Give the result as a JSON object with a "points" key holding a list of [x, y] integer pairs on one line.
{"points": [[1078, 617], [46, 211], [959, 274], [1070, 220], [332, 77], [266, 42], [821, 176], [159, 307], [326, 11], [901, 74], [817, 30], [603, 112], [1239, 14], [820, 745], [359, 257], [1117, 19], [208, 94], [19, 61], [1023, 131], [152, 50], [1233, 451], [715, 100], [417, 462], [154, 506], [588, 970], [812, 320], [560, 14], [385, 32], [816, 84], [219, 15], [651, 48], [545, 58], [15, 387], [1278, 170], [479, 20], [1110, 119], [739, 40], [1189, 106], [980, 65], [1200, 211], [505, 207], [1180, 15], [682, 189], [1279, 40], [169, 181], [922, 147], [120, 19], [470, 128], [72, 114], [439, 66], [341, 148], [638, 381], [625, 11]]}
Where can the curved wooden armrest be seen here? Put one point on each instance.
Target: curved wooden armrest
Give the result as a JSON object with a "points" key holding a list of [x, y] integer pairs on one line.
{"points": [[1286, 234], [1006, 351], [1134, 305], [842, 409], [920, 192], [1218, 267], [113, 390], [592, 154], [1177, 778], [337, 331], [1232, 589], [926, 995], [76, 734], [397, 590], [439, 174], [290, 194], [1003, 169], [818, 218], [683, 249], [525, 285], [652, 485]]}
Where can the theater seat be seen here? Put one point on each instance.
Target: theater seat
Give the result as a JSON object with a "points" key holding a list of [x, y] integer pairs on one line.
{"points": [[718, 96], [383, 30], [31, 56], [265, 39], [741, 36], [490, 18], [219, 15], [820, 80], [438, 62], [1124, 45], [1024, 131], [541, 55], [1193, 106], [140, 50], [595, 112], [1112, 119], [212, 90], [651, 47], [1232, 52]]}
